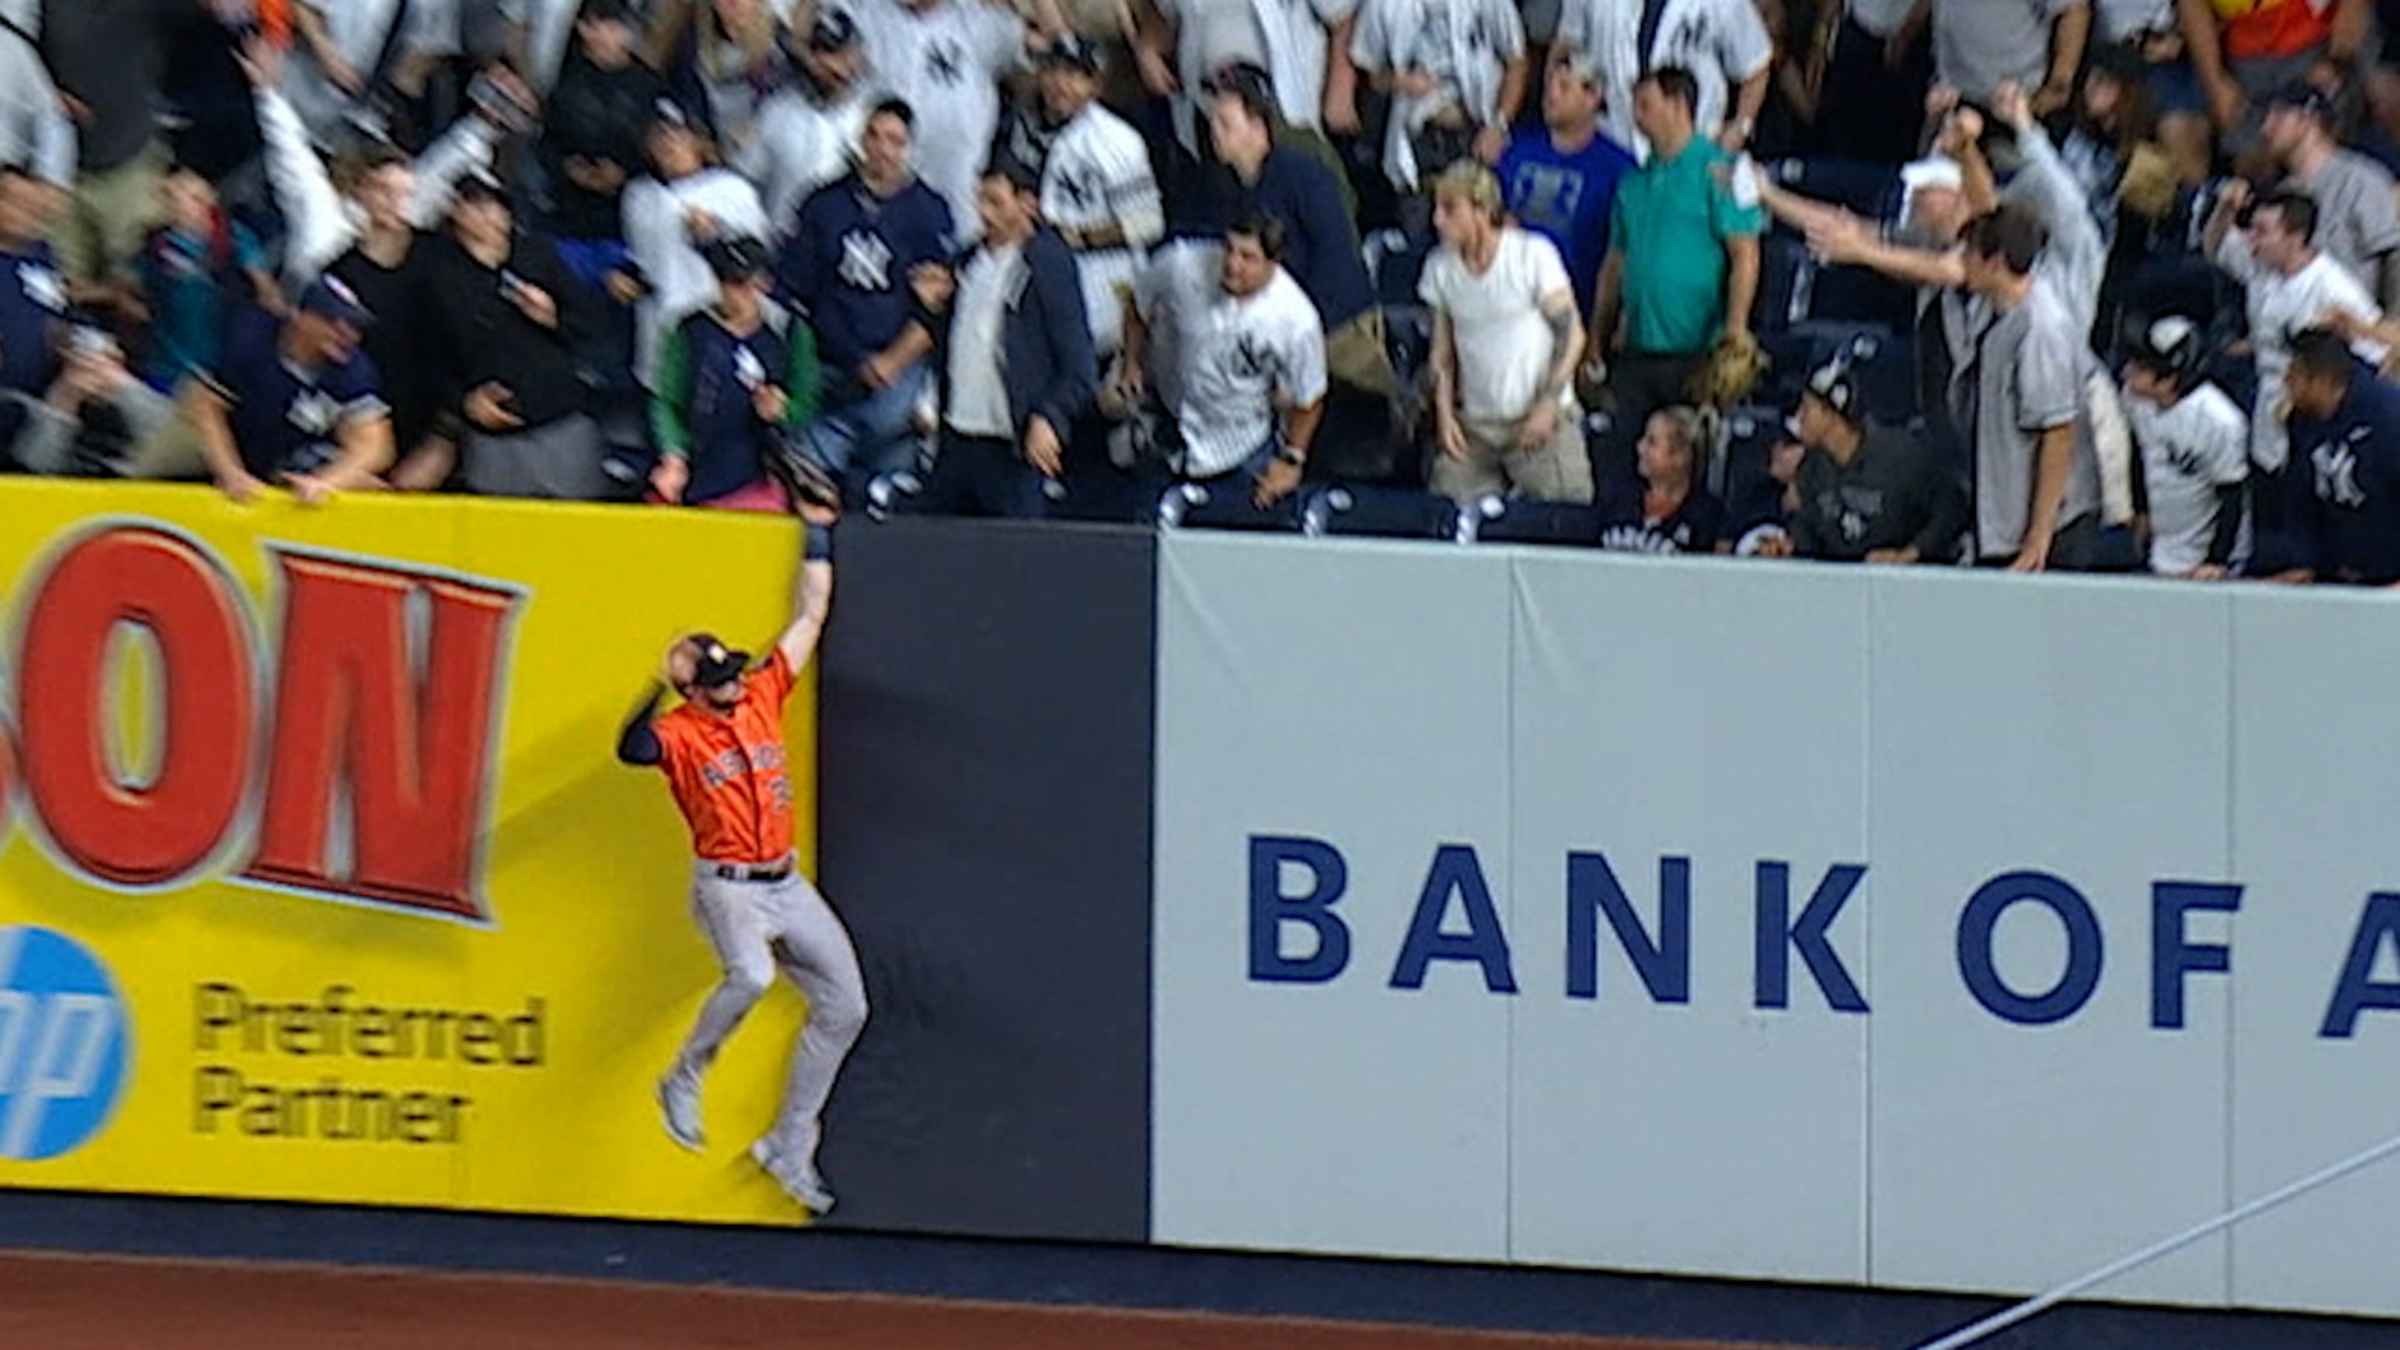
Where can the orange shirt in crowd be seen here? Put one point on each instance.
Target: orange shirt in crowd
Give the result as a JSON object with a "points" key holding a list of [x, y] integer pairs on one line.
{"points": [[727, 772], [2273, 27]]}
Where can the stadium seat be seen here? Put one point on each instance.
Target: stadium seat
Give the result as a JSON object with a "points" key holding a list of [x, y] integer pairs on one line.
{"points": [[1741, 458], [1750, 435], [1515, 520], [1786, 276], [1860, 295], [1394, 263], [1189, 506], [1376, 512], [1864, 188], [1883, 360]]}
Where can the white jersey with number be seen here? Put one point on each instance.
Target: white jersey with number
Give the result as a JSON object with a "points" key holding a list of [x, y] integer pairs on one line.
{"points": [[1098, 174]]}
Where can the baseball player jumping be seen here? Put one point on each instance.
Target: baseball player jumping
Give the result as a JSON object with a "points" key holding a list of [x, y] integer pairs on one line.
{"points": [[723, 755]]}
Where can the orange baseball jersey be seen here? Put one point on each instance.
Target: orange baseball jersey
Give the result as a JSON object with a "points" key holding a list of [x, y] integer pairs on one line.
{"points": [[727, 773]]}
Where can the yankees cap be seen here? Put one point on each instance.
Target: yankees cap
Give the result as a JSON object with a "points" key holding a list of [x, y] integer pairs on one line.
{"points": [[835, 31], [1833, 383], [2170, 346], [717, 662], [1070, 50], [329, 296], [736, 257]]}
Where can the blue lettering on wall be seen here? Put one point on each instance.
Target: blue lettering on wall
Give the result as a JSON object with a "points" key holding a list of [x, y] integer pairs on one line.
{"points": [[1665, 965], [2171, 958], [1271, 909], [2358, 990], [2075, 984], [1777, 936], [1455, 870], [1297, 881]]}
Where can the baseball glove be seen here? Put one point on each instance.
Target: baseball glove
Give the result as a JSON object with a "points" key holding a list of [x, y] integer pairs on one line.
{"points": [[1731, 371], [813, 491]]}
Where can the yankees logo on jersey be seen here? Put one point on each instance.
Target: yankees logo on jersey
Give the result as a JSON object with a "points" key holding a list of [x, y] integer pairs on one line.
{"points": [[2337, 470], [945, 63], [1855, 510], [43, 286], [866, 261], [313, 411], [2183, 459], [1252, 359]]}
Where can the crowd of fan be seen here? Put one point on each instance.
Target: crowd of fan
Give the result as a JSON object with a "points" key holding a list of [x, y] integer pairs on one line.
{"points": [[2041, 284]]}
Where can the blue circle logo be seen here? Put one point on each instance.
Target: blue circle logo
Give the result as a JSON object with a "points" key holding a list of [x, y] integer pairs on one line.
{"points": [[64, 1042]]}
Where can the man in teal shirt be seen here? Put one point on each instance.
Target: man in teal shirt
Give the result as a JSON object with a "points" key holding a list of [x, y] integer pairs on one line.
{"points": [[1682, 267]]}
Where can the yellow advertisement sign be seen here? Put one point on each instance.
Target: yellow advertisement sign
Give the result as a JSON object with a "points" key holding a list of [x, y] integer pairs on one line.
{"points": [[319, 879]]}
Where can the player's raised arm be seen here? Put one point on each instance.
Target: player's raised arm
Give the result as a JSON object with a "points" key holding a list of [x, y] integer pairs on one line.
{"points": [[813, 595], [638, 743]]}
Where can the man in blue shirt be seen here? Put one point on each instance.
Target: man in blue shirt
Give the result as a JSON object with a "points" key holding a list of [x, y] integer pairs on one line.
{"points": [[296, 404], [849, 264], [2344, 474], [1560, 178]]}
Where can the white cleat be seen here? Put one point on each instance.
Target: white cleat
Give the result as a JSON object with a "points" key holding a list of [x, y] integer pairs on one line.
{"points": [[679, 1108], [798, 1180]]}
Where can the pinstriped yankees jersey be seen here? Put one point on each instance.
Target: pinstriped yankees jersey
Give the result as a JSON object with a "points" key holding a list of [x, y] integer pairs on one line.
{"points": [[1241, 358], [1098, 173]]}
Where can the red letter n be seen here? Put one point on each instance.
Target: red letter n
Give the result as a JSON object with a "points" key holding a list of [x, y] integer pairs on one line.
{"points": [[411, 739]]}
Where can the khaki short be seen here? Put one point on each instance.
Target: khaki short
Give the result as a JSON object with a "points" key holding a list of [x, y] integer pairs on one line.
{"points": [[1558, 470], [1356, 355]]}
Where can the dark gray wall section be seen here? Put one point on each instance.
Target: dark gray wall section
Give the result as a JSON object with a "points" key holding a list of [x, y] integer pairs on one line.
{"points": [[984, 754]]}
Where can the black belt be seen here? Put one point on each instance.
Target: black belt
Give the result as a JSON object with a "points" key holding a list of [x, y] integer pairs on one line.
{"points": [[737, 872]]}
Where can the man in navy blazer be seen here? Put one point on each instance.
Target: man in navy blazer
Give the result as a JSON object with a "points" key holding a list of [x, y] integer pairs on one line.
{"points": [[1016, 360]]}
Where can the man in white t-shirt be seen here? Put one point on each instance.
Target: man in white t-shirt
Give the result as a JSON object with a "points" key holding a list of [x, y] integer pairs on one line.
{"points": [[1506, 340], [1249, 377], [1723, 43], [2195, 455], [1098, 189], [2291, 286], [946, 58]]}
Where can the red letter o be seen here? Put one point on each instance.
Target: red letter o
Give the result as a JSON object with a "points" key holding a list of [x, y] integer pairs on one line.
{"points": [[163, 583]]}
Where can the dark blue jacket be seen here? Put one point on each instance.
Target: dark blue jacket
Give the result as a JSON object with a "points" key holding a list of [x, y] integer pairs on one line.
{"points": [[1046, 355], [846, 267], [1320, 242], [2345, 484]]}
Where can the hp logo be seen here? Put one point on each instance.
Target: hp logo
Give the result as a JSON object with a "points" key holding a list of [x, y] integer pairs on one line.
{"points": [[64, 1041]]}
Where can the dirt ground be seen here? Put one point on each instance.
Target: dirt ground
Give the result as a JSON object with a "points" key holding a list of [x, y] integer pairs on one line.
{"points": [[57, 1302]]}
